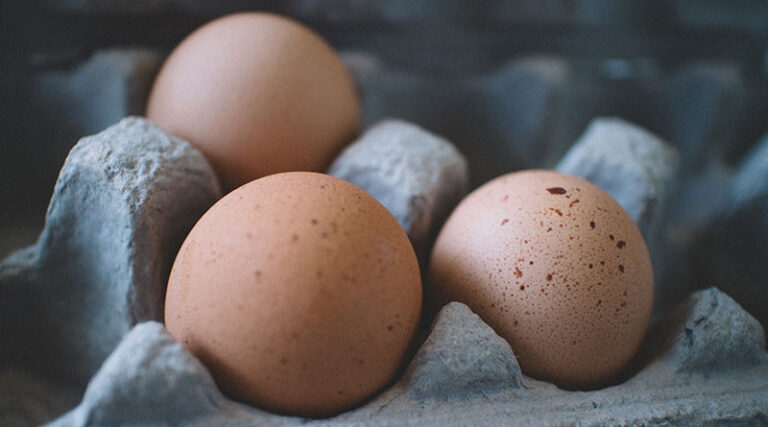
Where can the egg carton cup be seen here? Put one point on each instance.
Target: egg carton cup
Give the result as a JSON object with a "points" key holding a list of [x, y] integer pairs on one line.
{"points": [[81, 310]]}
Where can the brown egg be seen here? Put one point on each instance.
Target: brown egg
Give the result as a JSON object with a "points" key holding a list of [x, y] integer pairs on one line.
{"points": [[556, 267], [258, 94], [299, 291]]}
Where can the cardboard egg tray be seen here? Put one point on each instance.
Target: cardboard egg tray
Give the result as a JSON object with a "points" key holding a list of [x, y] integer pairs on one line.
{"points": [[81, 334]]}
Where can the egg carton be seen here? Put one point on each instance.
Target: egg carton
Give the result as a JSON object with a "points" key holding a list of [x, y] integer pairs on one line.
{"points": [[81, 310], [104, 255]]}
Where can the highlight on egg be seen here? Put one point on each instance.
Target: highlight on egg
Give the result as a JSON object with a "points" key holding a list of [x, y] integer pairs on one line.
{"points": [[299, 292], [258, 94], [556, 267]]}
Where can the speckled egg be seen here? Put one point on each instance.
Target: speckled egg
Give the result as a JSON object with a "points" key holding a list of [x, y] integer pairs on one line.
{"points": [[556, 267], [300, 293]]}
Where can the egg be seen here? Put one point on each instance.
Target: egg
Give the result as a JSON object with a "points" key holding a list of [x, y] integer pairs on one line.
{"points": [[300, 293], [556, 267], [258, 94]]}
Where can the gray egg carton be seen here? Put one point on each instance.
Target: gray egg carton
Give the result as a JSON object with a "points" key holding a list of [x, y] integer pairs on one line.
{"points": [[81, 310], [81, 339]]}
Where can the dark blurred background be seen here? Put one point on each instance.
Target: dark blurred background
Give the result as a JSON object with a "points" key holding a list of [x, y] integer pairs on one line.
{"points": [[512, 83]]}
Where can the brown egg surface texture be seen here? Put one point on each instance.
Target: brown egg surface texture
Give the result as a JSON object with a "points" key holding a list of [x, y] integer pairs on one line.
{"points": [[258, 94], [299, 291], [556, 267]]}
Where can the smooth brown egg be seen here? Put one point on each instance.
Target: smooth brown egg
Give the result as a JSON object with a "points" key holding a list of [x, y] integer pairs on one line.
{"points": [[299, 291], [258, 94], [556, 267]]}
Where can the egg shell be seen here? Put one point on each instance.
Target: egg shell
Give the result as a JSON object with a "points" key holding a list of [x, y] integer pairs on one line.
{"points": [[556, 267], [299, 291], [258, 94]]}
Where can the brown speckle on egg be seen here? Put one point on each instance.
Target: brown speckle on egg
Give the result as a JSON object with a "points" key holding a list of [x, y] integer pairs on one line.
{"points": [[556, 190]]}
